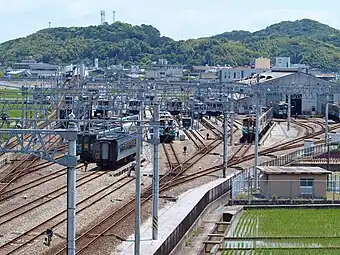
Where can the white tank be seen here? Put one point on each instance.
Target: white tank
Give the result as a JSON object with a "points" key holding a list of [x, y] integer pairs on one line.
{"points": [[82, 70]]}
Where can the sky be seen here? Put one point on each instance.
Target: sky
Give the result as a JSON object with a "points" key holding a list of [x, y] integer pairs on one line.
{"points": [[178, 19]]}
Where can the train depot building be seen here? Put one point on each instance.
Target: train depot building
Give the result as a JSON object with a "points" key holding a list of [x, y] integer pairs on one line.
{"points": [[293, 182], [308, 101]]}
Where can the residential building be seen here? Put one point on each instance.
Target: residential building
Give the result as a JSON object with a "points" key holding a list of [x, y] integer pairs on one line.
{"points": [[230, 74], [262, 63], [283, 64]]}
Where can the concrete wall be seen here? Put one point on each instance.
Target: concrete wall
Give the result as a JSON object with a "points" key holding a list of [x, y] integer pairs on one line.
{"points": [[212, 206], [282, 185]]}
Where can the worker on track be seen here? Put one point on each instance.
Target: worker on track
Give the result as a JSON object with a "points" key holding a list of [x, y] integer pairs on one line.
{"points": [[185, 150], [132, 168], [49, 234], [208, 136], [86, 164]]}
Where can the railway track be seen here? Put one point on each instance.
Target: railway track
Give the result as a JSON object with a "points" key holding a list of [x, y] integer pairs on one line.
{"points": [[173, 178], [118, 216], [171, 155], [37, 231], [217, 133], [241, 151], [198, 136], [21, 168], [44, 199]]}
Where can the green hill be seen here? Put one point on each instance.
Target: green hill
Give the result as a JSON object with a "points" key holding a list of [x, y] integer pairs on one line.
{"points": [[305, 41]]}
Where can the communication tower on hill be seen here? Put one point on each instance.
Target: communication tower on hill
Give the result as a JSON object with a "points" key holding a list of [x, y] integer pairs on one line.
{"points": [[102, 17]]}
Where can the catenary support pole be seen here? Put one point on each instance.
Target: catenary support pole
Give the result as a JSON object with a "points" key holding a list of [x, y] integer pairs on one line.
{"points": [[225, 143], [138, 189], [155, 198], [289, 112], [257, 124], [141, 117], [326, 120], [71, 194], [231, 118]]}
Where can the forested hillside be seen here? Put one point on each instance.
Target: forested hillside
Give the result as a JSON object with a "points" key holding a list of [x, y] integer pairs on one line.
{"points": [[305, 41]]}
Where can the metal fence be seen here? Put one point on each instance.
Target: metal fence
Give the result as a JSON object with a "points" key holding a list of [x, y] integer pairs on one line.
{"points": [[302, 153], [170, 243]]}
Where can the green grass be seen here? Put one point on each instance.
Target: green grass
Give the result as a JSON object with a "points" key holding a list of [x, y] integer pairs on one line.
{"points": [[301, 227], [289, 222], [284, 252]]}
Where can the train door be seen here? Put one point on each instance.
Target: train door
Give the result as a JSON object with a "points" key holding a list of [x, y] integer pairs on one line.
{"points": [[105, 154]]}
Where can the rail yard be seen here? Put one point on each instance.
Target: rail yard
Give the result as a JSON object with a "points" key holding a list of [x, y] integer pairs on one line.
{"points": [[116, 124]]}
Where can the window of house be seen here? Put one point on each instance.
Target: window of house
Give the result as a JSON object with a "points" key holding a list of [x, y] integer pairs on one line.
{"points": [[306, 182], [234, 75], [306, 186]]}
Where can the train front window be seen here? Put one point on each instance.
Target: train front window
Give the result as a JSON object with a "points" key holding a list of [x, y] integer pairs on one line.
{"points": [[86, 143]]}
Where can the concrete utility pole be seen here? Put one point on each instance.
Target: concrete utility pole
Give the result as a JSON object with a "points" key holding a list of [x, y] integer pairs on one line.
{"points": [[231, 118], [71, 190], [155, 199], [257, 124], [326, 119], [138, 189], [225, 143], [289, 111]]}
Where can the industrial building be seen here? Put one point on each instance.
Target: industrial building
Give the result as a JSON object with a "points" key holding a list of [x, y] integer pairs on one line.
{"points": [[162, 69], [36, 69], [302, 104], [293, 182]]}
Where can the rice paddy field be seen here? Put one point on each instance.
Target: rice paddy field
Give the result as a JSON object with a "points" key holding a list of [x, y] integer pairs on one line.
{"points": [[286, 231]]}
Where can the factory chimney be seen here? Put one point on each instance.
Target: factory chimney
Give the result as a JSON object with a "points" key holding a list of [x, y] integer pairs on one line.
{"points": [[114, 16]]}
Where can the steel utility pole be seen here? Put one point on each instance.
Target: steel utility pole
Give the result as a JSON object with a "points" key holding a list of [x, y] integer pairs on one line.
{"points": [[155, 200], [138, 189]]}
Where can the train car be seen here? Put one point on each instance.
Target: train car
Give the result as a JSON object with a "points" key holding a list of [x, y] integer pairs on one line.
{"points": [[167, 131], [186, 122], [174, 106], [334, 112], [249, 126], [197, 109], [280, 111], [115, 151], [102, 108], [214, 107], [85, 141], [134, 106]]}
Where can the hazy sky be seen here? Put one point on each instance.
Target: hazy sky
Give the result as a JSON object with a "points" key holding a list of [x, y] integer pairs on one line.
{"points": [[179, 19]]}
